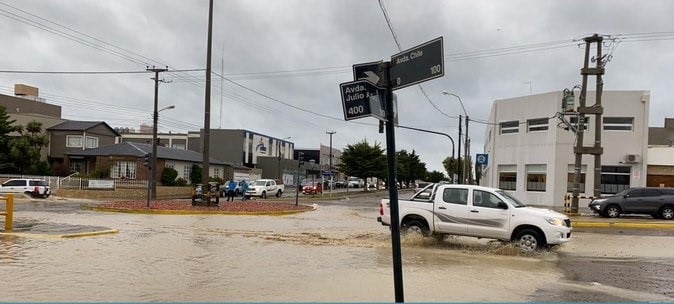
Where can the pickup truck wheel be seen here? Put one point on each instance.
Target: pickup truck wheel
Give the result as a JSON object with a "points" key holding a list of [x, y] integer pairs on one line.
{"points": [[529, 240], [415, 227], [264, 194], [279, 193], [612, 211], [667, 212]]}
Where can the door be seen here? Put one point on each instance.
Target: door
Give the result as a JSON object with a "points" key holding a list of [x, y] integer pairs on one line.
{"points": [[651, 200], [633, 201], [451, 211], [487, 218]]}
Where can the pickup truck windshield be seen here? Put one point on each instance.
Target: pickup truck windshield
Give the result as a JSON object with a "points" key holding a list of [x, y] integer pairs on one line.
{"points": [[515, 202]]}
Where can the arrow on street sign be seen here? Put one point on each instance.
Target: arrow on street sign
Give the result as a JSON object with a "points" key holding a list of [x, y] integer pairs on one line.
{"points": [[418, 64], [369, 71], [361, 98]]}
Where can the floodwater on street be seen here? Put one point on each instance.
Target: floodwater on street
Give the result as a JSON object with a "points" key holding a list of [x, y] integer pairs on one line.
{"points": [[337, 253]]}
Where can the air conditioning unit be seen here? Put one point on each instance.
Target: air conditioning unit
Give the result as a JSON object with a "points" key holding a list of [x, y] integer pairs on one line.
{"points": [[632, 158]]}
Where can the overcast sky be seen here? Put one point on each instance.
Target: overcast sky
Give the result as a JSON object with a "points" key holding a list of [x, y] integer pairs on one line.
{"points": [[282, 56]]}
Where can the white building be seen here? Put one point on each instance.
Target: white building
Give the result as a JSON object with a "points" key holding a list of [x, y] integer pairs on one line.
{"points": [[531, 154]]}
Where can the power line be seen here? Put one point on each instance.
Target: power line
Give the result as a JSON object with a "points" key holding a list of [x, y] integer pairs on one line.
{"points": [[90, 72]]}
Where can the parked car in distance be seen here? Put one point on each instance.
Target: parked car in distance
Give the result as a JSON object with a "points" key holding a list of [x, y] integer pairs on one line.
{"points": [[312, 189], [237, 191], [658, 202], [355, 182], [32, 187]]}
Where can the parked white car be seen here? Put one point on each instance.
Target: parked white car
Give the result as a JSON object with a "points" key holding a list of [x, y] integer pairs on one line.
{"points": [[32, 187]]}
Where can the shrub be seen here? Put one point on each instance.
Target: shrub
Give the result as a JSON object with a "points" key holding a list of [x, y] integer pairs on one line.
{"points": [[195, 175], [181, 182], [168, 176]]}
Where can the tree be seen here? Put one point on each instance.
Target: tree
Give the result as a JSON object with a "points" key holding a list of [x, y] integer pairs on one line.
{"points": [[25, 149], [195, 174], [409, 167], [435, 176], [451, 165], [363, 160], [168, 176], [6, 127]]}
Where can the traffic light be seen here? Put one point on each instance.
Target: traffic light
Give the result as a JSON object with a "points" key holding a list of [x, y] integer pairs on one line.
{"points": [[147, 161]]}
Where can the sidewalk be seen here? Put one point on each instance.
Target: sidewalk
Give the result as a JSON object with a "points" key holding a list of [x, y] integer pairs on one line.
{"points": [[589, 220]]}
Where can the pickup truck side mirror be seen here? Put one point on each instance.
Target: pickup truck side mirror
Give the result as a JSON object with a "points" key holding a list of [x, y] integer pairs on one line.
{"points": [[502, 205]]}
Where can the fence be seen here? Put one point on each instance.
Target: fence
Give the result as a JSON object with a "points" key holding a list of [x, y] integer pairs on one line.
{"points": [[82, 183]]}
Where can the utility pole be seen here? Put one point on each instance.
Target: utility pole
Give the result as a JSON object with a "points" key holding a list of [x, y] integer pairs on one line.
{"points": [[597, 109], [300, 160], [152, 179], [466, 164], [207, 104], [330, 165], [458, 162]]}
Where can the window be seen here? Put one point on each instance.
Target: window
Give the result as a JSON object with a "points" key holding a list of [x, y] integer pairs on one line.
{"points": [[618, 123], [74, 141], [187, 169], [92, 142], [216, 172], [507, 177], [15, 183], [570, 175], [455, 196], [614, 179], [179, 146], [574, 121], [123, 169], [76, 166], [538, 124], [485, 199], [510, 127], [536, 178]]}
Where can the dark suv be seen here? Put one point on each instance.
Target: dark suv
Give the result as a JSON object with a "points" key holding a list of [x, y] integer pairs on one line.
{"points": [[658, 202]]}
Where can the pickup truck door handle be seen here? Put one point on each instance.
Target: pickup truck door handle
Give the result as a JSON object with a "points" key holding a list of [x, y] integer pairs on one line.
{"points": [[443, 208], [474, 211]]}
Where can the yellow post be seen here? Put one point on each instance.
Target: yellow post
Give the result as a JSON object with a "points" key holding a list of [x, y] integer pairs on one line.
{"points": [[9, 211]]}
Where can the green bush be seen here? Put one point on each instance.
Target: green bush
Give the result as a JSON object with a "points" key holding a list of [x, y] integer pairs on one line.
{"points": [[195, 175], [168, 176], [180, 182]]}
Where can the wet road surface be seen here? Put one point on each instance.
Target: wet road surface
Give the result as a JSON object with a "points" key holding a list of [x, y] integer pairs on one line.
{"points": [[336, 253]]}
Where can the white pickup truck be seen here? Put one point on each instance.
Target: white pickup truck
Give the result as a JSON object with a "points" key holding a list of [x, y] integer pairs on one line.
{"points": [[263, 187], [467, 210]]}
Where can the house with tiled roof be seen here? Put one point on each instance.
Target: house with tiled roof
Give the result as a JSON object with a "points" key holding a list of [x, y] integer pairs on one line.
{"points": [[126, 160]]}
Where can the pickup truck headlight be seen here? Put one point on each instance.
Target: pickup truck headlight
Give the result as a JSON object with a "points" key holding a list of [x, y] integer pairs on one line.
{"points": [[555, 221]]}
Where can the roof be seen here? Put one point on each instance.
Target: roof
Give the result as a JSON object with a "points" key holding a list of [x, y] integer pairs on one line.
{"points": [[139, 150], [75, 125]]}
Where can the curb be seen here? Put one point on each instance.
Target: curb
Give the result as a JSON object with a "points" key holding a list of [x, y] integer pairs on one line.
{"points": [[629, 225], [197, 212], [59, 236]]}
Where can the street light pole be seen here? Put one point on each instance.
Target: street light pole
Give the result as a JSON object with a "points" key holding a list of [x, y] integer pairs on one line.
{"points": [[155, 117], [330, 162], [300, 157], [466, 142]]}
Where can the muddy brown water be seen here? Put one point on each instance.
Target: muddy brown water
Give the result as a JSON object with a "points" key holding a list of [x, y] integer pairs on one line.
{"points": [[336, 253]]}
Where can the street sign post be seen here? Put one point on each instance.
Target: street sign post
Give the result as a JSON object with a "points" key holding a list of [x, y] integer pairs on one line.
{"points": [[361, 99], [418, 64]]}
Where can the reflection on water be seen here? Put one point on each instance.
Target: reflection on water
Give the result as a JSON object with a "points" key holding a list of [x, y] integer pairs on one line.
{"points": [[332, 254]]}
